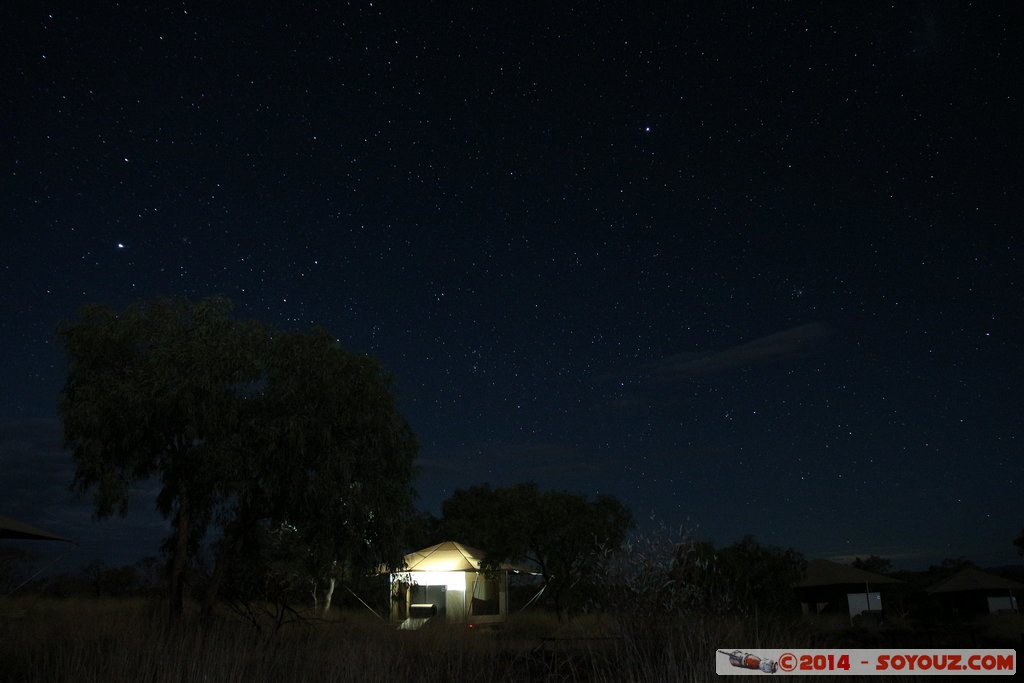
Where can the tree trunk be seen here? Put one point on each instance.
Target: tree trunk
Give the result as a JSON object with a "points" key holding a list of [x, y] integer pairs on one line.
{"points": [[328, 595], [220, 569], [229, 546], [178, 561]]}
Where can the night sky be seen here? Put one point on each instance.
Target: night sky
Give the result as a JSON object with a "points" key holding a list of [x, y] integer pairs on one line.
{"points": [[752, 270]]}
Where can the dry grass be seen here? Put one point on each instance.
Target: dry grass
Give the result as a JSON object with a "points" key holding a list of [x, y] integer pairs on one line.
{"points": [[111, 641]]}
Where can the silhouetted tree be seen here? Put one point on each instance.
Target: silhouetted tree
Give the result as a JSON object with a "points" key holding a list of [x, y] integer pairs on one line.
{"points": [[945, 569], [329, 460], [151, 574], [243, 426], [153, 391], [423, 529], [110, 581], [567, 536], [665, 571], [873, 563], [759, 577]]}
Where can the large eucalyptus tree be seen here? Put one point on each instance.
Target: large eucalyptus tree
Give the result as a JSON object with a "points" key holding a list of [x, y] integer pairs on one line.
{"points": [[241, 425]]}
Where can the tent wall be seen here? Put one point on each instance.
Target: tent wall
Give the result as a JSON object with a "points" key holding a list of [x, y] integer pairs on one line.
{"points": [[1002, 604], [456, 596], [859, 603], [488, 597]]}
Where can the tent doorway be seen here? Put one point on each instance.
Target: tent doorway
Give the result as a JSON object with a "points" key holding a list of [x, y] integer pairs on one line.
{"points": [[427, 601]]}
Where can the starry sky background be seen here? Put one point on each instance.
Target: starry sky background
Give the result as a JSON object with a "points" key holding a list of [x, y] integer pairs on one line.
{"points": [[749, 269]]}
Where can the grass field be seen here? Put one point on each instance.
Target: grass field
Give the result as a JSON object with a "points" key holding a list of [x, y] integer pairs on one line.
{"points": [[117, 641]]}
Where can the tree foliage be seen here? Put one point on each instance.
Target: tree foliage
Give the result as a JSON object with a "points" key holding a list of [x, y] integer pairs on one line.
{"points": [[667, 572], [339, 507], [873, 563], [761, 576], [567, 536], [948, 567], [243, 426]]}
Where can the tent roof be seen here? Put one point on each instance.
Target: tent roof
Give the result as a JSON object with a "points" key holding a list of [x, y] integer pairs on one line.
{"points": [[451, 556], [975, 580], [12, 528], [827, 573]]}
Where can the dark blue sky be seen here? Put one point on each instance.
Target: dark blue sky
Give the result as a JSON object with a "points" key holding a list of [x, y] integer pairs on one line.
{"points": [[751, 270]]}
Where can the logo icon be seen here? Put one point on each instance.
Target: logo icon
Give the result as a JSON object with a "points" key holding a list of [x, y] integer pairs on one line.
{"points": [[744, 660]]}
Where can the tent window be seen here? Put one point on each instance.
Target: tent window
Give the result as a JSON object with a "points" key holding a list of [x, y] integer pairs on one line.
{"points": [[485, 597], [1005, 604]]}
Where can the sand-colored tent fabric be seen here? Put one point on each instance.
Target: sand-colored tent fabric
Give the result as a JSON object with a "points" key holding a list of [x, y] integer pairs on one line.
{"points": [[12, 528], [827, 573], [449, 556], [975, 580], [452, 556]]}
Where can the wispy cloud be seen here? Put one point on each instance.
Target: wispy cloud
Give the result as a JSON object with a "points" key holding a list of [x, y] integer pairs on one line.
{"points": [[772, 347]]}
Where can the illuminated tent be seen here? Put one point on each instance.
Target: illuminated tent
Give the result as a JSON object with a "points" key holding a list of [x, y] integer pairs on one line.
{"points": [[12, 528], [446, 581]]}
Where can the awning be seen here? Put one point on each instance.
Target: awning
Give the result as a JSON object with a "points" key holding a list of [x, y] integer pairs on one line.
{"points": [[975, 580], [12, 528]]}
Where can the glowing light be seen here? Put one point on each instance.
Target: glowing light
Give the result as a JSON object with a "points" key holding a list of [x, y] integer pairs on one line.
{"points": [[454, 581]]}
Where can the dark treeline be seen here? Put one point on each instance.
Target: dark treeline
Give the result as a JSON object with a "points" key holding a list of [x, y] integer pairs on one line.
{"points": [[590, 564], [144, 578], [285, 473]]}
